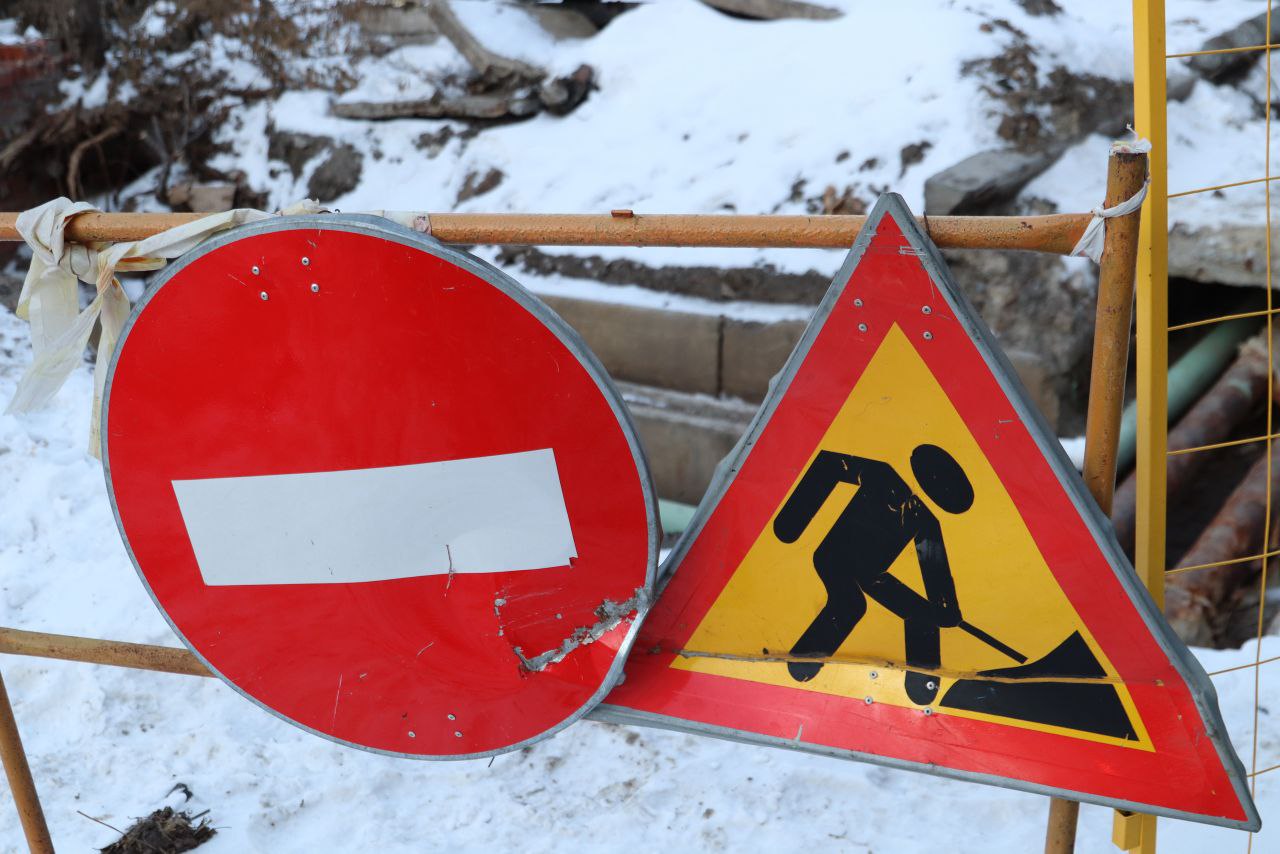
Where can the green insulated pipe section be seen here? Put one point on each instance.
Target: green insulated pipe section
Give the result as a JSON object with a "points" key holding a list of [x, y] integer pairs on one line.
{"points": [[1188, 379], [674, 515]]}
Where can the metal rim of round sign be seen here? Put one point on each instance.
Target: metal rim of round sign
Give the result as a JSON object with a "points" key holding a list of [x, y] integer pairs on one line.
{"points": [[385, 230]]}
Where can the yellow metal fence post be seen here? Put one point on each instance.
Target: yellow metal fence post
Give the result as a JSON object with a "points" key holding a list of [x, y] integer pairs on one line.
{"points": [[1136, 832]]}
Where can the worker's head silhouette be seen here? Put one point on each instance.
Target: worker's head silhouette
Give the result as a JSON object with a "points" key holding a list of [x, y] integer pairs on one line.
{"points": [[941, 478]]}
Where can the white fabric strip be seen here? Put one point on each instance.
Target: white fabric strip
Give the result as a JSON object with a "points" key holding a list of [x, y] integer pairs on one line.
{"points": [[1093, 240], [50, 298], [482, 514]]}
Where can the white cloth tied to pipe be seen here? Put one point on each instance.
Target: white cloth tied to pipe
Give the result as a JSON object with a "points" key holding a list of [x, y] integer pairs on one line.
{"points": [[50, 298], [1092, 241]]}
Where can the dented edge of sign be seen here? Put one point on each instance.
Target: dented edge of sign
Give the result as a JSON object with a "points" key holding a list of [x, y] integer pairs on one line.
{"points": [[609, 613]]}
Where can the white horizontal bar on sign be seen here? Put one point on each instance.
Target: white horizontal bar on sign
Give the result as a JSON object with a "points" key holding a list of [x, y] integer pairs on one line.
{"points": [[481, 514]]}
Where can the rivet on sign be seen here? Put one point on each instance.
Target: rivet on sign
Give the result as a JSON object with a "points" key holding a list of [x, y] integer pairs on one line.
{"points": [[306, 262], [263, 295], [559, 616], [412, 734], [926, 309], [452, 718], [931, 684], [256, 271], [858, 302], [928, 712], [457, 734], [862, 327], [315, 289], [874, 674], [868, 701], [928, 336]]}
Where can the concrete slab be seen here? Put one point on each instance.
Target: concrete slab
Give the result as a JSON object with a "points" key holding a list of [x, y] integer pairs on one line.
{"points": [[685, 436], [675, 350], [753, 353]]}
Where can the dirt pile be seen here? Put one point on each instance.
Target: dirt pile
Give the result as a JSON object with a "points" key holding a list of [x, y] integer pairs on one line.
{"points": [[165, 831], [1041, 109], [130, 113]]}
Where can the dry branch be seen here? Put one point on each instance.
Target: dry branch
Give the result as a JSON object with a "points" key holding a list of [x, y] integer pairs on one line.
{"points": [[484, 61], [20, 143], [769, 10], [496, 106], [502, 88], [1056, 234], [77, 154]]}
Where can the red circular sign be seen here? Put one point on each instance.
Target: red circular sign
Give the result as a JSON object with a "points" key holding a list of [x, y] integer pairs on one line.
{"points": [[379, 488]]}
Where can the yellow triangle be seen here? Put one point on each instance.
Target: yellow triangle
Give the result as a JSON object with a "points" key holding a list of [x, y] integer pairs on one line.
{"points": [[1002, 582]]}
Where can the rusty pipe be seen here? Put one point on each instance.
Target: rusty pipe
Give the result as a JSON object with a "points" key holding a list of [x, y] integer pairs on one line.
{"points": [[1113, 320], [1192, 597], [21, 783], [1126, 172], [140, 656], [1228, 402], [1055, 233]]}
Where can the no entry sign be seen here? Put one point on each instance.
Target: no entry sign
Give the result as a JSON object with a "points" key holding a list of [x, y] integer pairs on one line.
{"points": [[378, 488]]}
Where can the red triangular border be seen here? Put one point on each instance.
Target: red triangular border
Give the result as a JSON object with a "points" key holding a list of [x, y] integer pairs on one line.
{"points": [[1193, 772]]}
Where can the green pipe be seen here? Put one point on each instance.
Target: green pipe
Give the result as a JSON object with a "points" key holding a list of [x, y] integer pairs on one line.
{"points": [[1188, 379], [674, 515]]}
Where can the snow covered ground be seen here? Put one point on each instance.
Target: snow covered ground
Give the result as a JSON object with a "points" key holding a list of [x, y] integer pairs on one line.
{"points": [[676, 128], [113, 743]]}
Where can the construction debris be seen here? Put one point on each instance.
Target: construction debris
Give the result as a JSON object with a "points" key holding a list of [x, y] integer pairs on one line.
{"points": [[500, 88], [769, 10], [489, 65], [163, 832], [983, 179]]}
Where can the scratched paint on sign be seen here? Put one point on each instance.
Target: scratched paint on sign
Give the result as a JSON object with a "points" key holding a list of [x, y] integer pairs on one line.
{"points": [[1006, 590]]}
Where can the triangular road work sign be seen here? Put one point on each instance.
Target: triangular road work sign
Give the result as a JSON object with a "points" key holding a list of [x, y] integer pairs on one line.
{"points": [[899, 564]]}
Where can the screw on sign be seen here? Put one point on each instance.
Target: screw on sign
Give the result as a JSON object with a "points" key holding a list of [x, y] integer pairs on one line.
{"points": [[378, 488]]}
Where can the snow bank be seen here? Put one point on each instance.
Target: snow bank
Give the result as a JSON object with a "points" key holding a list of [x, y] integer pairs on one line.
{"points": [[700, 112], [680, 125]]}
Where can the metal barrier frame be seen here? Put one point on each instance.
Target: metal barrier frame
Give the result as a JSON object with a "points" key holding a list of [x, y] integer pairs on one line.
{"points": [[1056, 234]]}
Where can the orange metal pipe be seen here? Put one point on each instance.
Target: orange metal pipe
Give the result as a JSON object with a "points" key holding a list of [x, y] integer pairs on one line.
{"points": [[1113, 319], [21, 784], [1056, 233], [139, 656]]}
